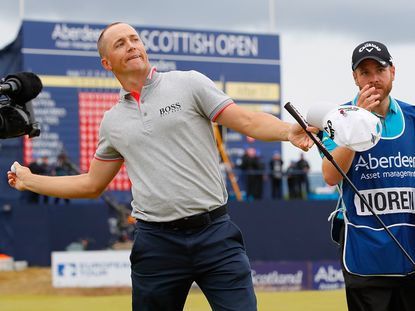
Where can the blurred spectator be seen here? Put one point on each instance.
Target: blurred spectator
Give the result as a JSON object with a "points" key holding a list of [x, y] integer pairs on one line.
{"points": [[41, 167], [63, 167], [303, 168], [293, 181], [80, 245], [252, 168], [276, 176]]}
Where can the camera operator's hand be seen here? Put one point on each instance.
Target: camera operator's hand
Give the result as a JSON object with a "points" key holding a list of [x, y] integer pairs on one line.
{"points": [[17, 176]]}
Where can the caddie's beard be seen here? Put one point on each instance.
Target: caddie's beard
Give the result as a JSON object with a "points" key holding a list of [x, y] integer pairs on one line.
{"points": [[386, 91]]}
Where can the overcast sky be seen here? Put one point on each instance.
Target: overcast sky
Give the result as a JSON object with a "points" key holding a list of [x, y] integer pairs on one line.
{"points": [[317, 37]]}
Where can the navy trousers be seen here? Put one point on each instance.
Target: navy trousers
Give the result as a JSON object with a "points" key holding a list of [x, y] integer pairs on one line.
{"points": [[165, 263]]}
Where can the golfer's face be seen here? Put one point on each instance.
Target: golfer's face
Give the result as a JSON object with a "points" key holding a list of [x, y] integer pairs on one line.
{"points": [[370, 72], [124, 49]]}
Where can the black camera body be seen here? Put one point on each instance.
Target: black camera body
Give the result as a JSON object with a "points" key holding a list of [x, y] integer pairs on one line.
{"points": [[17, 120], [16, 109]]}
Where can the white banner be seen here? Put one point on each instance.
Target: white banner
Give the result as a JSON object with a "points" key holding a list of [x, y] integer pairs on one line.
{"points": [[386, 201], [91, 269]]}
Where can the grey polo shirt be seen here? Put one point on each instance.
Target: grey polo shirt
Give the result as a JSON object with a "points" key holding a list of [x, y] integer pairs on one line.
{"points": [[167, 142]]}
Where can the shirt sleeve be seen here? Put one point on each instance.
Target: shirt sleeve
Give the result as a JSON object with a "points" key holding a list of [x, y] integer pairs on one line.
{"points": [[210, 100], [105, 150]]}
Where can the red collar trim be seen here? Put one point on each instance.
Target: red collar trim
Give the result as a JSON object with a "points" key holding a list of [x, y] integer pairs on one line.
{"points": [[136, 95]]}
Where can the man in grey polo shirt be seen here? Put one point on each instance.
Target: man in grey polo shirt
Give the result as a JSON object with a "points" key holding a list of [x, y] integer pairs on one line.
{"points": [[161, 130]]}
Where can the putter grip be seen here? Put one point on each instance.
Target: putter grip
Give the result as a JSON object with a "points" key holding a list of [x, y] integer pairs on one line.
{"points": [[296, 115]]}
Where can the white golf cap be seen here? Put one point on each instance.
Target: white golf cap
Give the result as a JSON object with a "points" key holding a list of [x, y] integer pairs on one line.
{"points": [[316, 115], [349, 126]]}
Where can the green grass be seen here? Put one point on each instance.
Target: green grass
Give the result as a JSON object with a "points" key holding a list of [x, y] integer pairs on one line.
{"points": [[267, 301]]}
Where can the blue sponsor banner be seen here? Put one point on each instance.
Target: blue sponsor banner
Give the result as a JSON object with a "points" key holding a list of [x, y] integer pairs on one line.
{"points": [[297, 275], [280, 275], [327, 275], [174, 42]]}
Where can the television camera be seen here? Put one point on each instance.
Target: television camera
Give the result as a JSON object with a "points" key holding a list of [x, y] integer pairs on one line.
{"points": [[16, 109]]}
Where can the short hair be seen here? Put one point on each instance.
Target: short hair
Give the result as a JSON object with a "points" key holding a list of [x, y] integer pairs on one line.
{"points": [[100, 45]]}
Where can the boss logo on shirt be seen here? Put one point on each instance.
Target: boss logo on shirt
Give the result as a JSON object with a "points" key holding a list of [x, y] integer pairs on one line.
{"points": [[170, 109]]}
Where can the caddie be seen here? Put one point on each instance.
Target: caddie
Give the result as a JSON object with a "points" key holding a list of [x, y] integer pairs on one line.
{"points": [[377, 274]]}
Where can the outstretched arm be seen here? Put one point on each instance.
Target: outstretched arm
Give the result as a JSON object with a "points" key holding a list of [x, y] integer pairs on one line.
{"points": [[264, 126], [88, 185]]}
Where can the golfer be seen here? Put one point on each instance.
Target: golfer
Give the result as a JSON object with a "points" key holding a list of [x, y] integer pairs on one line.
{"points": [[161, 129]]}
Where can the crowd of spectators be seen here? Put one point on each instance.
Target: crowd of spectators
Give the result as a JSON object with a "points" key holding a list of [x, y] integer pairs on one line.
{"points": [[257, 175]]}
